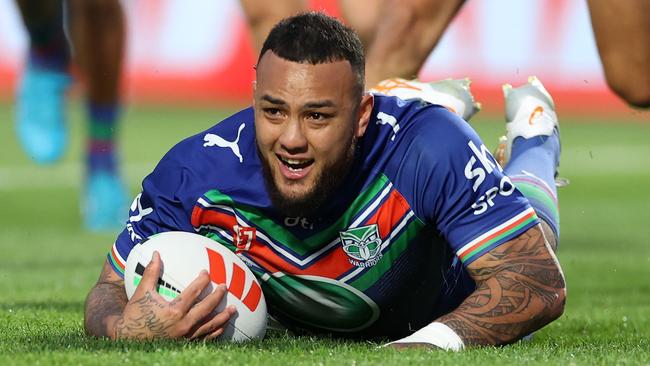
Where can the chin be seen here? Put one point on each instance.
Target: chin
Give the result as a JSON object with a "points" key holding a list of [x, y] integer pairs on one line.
{"points": [[294, 191], [305, 196], [295, 198]]}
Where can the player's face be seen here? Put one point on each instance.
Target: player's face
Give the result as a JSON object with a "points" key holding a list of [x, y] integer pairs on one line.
{"points": [[307, 119]]}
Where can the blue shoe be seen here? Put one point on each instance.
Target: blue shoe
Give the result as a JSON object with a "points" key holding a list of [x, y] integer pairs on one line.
{"points": [[104, 204], [40, 113]]}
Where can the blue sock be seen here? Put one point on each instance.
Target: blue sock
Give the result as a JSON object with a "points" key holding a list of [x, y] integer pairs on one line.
{"points": [[531, 168]]}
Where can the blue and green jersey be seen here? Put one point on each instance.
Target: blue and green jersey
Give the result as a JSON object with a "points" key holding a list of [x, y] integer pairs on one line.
{"points": [[383, 257]]}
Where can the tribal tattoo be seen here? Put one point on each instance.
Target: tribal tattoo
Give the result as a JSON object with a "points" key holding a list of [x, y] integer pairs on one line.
{"points": [[106, 299], [520, 288]]}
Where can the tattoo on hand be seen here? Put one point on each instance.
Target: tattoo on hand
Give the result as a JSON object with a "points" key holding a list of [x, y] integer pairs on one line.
{"points": [[517, 292], [147, 324]]}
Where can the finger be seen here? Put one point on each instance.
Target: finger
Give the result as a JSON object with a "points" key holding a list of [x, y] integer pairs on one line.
{"points": [[188, 296], [151, 274], [204, 307], [216, 325], [215, 334]]}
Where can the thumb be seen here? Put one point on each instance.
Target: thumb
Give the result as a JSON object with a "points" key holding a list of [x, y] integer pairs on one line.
{"points": [[151, 273]]}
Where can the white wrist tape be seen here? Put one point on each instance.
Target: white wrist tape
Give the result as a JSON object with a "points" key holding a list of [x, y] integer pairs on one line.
{"points": [[437, 334]]}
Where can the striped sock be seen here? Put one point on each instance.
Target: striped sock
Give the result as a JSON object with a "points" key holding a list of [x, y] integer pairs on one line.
{"points": [[532, 169], [101, 142], [541, 197]]}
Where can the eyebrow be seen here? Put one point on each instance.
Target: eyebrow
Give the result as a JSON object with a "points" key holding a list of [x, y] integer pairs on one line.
{"points": [[319, 104], [272, 100], [310, 105]]}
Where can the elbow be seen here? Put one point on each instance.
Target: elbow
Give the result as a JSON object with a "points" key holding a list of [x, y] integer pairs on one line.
{"points": [[550, 307], [554, 302], [558, 306], [556, 284], [550, 300]]}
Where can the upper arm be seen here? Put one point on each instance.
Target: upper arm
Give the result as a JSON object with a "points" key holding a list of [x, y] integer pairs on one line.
{"points": [[525, 271], [519, 289]]}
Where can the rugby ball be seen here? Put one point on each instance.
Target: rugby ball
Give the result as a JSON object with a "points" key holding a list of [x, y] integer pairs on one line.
{"points": [[184, 255]]}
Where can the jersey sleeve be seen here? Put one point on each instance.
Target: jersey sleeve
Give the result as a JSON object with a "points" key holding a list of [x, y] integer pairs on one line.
{"points": [[464, 192], [158, 208]]}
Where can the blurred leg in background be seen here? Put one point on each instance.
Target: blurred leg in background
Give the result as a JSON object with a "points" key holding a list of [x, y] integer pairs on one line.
{"points": [[398, 35], [96, 29], [622, 31], [262, 15], [405, 33], [363, 17], [40, 107]]}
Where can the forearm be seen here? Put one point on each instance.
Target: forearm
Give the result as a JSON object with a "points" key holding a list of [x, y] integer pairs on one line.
{"points": [[513, 298]]}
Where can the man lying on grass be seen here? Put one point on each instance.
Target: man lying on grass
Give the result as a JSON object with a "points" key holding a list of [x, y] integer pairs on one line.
{"points": [[375, 217]]}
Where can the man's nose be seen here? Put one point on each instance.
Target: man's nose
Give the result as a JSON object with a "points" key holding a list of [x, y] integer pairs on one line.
{"points": [[293, 138]]}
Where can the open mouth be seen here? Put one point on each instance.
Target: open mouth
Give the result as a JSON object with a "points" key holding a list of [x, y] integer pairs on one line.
{"points": [[295, 165]]}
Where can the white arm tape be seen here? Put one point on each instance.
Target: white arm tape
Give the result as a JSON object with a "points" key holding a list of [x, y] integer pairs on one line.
{"points": [[437, 334]]}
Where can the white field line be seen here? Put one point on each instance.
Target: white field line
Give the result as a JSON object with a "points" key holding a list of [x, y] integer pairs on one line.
{"points": [[64, 175]]}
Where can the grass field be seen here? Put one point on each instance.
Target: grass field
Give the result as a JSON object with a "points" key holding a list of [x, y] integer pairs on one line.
{"points": [[48, 263]]}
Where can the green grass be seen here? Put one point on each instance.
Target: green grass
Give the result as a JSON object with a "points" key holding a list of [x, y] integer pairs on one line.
{"points": [[48, 263]]}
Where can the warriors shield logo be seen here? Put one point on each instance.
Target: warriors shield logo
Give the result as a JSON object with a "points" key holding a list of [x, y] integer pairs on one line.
{"points": [[362, 245]]}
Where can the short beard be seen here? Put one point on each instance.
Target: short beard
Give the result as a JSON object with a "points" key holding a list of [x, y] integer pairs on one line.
{"points": [[329, 180]]}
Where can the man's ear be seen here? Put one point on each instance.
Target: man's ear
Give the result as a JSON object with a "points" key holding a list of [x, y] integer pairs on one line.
{"points": [[365, 110]]}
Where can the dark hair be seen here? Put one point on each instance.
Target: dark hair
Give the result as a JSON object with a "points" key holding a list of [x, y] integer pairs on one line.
{"points": [[316, 38]]}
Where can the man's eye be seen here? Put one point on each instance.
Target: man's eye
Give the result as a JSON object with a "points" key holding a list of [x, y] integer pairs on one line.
{"points": [[274, 112], [316, 116]]}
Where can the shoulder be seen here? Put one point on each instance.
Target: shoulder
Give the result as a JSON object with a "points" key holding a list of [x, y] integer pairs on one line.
{"points": [[425, 153], [208, 156], [223, 142], [417, 127]]}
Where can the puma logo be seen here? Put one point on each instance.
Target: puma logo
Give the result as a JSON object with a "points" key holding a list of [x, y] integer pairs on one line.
{"points": [[215, 140], [537, 112], [140, 212], [387, 119]]}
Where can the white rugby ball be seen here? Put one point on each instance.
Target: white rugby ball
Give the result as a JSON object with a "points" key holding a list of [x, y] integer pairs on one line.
{"points": [[184, 255]]}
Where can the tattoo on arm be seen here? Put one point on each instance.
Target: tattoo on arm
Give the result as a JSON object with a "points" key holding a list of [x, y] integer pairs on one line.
{"points": [[520, 288], [106, 299]]}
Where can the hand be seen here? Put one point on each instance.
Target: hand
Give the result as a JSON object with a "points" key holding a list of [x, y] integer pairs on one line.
{"points": [[148, 315]]}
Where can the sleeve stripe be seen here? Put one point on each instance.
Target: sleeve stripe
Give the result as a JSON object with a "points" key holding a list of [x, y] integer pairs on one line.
{"points": [[116, 260], [486, 239]]}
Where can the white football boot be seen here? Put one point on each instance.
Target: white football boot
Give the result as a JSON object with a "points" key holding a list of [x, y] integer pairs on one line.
{"points": [[530, 112], [454, 95]]}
